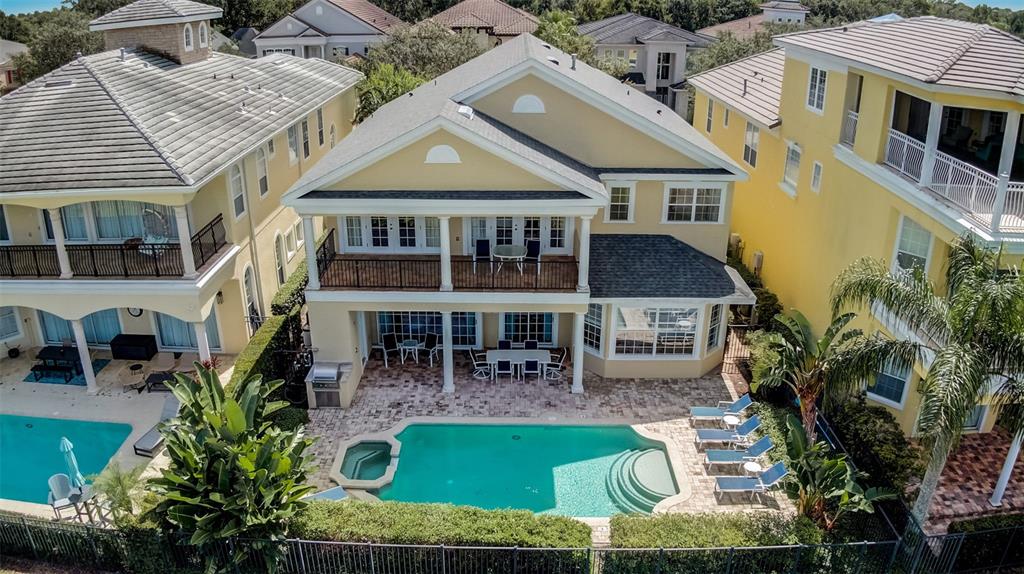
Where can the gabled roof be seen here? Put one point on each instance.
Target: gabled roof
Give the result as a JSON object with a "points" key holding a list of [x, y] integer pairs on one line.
{"points": [[506, 20], [752, 85], [362, 10], [243, 37], [153, 12], [741, 28], [931, 50], [103, 122], [632, 28]]}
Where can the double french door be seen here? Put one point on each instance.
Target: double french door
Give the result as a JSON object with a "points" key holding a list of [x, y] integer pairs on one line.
{"points": [[554, 233], [381, 234]]}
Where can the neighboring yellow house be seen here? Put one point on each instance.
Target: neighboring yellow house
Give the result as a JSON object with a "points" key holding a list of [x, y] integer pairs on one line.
{"points": [[886, 138], [522, 197], [113, 161]]}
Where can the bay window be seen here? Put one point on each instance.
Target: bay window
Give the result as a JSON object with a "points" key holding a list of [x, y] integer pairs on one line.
{"points": [[647, 332]]}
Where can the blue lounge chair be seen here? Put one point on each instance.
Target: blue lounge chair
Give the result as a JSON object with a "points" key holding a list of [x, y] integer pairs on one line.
{"points": [[740, 435], [752, 452], [755, 486], [724, 408]]}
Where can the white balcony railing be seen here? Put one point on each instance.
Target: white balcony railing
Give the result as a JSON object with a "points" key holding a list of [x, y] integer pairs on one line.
{"points": [[1013, 208], [963, 184], [849, 128], [904, 154]]}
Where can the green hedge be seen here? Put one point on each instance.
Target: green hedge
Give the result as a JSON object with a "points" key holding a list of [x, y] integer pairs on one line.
{"points": [[994, 522], [773, 424], [405, 523], [292, 293], [258, 355], [712, 530], [290, 418]]}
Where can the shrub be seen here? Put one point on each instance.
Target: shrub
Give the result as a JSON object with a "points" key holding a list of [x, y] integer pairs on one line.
{"points": [[994, 522], [290, 418], [407, 523], [773, 424], [711, 530], [258, 355], [988, 540], [292, 293]]}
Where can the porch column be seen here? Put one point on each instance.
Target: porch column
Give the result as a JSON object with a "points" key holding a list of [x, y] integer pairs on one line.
{"points": [[1004, 476], [1005, 167], [57, 225], [931, 142], [650, 68], [202, 341], [577, 353], [83, 355], [446, 254], [447, 366], [582, 283], [310, 244], [185, 240]]}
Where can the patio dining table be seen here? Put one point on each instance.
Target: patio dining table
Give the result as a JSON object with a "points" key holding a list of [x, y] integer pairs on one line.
{"points": [[519, 356], [60, 356], [511, 253]]}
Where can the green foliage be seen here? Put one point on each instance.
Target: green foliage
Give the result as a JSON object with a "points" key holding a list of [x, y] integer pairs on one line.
{"points": [[290, 418], [57, 41], [382, 84], [120, 488], [558, 28], [773, 424], [292, 293], [96, 8], [992, 522], [425, 50], [712, 530], [232, 474], [768, 304], [257, 357], [405, 523]]}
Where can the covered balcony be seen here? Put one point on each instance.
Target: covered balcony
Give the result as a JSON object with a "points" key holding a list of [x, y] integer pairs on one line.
{"points": [[970, 158]]}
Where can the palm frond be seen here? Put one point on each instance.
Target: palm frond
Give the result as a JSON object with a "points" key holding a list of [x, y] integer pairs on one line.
{"points": [[859, 358], [957, 380]]}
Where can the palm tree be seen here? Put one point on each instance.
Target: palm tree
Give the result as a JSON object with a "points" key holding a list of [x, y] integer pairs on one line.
{"points": [[971, 341], [832, 366]]}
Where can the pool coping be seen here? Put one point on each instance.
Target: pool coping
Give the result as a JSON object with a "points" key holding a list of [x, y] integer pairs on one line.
{"points": [[363, 486]]}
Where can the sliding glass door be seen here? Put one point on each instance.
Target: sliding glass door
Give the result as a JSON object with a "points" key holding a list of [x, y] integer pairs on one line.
{"points": [[176, 334], [100, 327]]}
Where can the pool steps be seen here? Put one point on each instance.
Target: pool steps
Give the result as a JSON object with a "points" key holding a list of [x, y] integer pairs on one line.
{"points": [[366, 458], [636, 480]]}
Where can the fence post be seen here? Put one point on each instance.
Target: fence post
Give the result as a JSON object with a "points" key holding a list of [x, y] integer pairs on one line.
{"points": [[373, 567], [444, 569], [860, 559], [1006, 549], [661, 561], [956, 552], [92, 543], [515, 560], [895, 552], [31, 541], [302, 556]]}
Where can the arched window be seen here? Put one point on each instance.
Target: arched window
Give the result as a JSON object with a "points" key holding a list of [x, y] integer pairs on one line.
{"points": [[202, 35], [252, 306], [332, 135], [442, 154], [279, 258], [188, 37], [528, 104]]}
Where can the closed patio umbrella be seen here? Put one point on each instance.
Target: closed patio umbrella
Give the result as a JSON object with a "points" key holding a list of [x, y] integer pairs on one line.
{"points": [[77, 480]]}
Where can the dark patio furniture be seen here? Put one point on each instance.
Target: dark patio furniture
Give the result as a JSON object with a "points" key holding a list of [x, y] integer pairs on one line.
{"points": [[54, 356], [483, 253], [129, 347], [41, 370], [504, 344], [533, 253], [155, 381], [531, 344]]}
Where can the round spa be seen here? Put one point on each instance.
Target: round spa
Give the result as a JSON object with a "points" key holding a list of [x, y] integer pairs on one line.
{"points": [[367, 460]]}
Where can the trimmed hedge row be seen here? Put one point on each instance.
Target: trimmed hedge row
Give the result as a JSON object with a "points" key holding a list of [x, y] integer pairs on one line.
{"points": [[258, 354], [406, 523], [994, 522], [290, 418], [292, 293], [712, 530]]}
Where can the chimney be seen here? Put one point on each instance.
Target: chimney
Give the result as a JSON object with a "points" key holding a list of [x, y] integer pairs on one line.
{"points": [[165, 31]]}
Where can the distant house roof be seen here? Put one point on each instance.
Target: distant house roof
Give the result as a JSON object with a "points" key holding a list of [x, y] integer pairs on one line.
{"points": [[752, 85], [154, 12], [932, 50], [632, 28], [144, 121], [741, 28], [370, 13], [367, 12], [243, 37], [9, 49], [784, 5], [505, 20]]}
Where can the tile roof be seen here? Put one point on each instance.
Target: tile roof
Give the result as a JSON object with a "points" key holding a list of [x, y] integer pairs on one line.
{"points": [[370, 13], [932, 50], [457, 194], [148, 10], [669, 268], [104, 122], [752, 85], [741, 28], [505, 19], [632, 28], [784, 5]]}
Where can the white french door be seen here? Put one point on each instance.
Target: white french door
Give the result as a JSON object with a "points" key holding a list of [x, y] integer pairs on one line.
{"points": [[380, 234], [554, 233]]}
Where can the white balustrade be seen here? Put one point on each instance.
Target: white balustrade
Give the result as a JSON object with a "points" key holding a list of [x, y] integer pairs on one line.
{"points": [[849, 127], [965, 185], [904, 154]]}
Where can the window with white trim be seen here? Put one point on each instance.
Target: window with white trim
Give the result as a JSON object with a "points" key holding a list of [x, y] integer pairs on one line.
{"points": [[236, 186], [816, 89], [655, 332], [632, 58], [531, 229], [715, 327], [890, 384], [300, 235], [913, 246], [432, 231], [10, 326], [557, 233], [816, 177], [305, 139], [320, 126], [620, 205], [503, 231], [73, 220], [293, 145], [417, 324], [354, 231], [686, 205], [976, 418], [270, 147], [289, 240], [289, 51], [262, 171], [711, 114], [592, 327], [664, 65], [202, 35], [751, 139], [188, 37], [521, 327], [791, 174], [407, 232]]}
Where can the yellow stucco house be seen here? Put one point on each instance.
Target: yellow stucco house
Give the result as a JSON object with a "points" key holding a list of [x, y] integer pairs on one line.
{"points": [[887, 138], [116, 161], [522, 197]]}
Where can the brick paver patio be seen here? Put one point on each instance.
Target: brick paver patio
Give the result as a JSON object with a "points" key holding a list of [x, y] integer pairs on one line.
{"points": [[386, 396]]}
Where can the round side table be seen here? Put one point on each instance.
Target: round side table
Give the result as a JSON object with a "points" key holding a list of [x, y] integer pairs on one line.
{"points": [[752, 468], [731, 421]]}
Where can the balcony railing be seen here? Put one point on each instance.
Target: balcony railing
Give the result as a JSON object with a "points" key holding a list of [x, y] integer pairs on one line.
{"points": [[849, 128], [905, 154], [129, 259], [963, 184]]}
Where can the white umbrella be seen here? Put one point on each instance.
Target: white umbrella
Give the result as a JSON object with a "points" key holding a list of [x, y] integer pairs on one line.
{"points": [[77, 480]]}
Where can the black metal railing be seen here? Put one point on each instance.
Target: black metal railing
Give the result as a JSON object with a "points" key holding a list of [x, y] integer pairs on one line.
{"points": [[546, 275], [208, 241], [366, 273]]}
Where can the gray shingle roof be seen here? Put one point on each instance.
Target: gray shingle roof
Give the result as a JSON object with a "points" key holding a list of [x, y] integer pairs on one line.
{"points": [[149, 10], [654, 266], [104, 122], [752, 85], [446, 194], [632, 28]]}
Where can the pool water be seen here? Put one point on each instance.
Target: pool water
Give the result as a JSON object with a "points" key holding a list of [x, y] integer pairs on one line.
{"points": [[29, 452], [366, 460], [583, 471]]}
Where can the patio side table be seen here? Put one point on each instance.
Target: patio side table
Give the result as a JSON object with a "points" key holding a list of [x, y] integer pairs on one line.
{"points": [[410, 347]]}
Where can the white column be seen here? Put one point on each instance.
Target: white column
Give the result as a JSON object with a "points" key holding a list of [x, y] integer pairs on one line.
{"points": [[582, 283], [577, 353], [650, 68], [1005, 166], [931, 142], [83, 355], [57, 225], [185, 240], [1004, 476], [447, 366], [201, 340], [310, 244], [446, 254]]}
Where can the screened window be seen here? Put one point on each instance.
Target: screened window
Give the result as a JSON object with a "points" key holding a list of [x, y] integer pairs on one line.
{"points": [[289, 239], [792, 171], [125, 219], [416, 325], [293, 145], [521, 327], [261, 171], [557, 235], [320, 126], [816, 89], [890, 383], [236, 185], [750, 143], [655, 331], [693, 205], [620, 202], [592, 327], [714, 327], [279, 258], [816, 178], [100, 327], [354, 231], [72, 218], [9, 324], [711, 114], [913, 246], [305, 139], [432, 231], [300, 237], [5, 235]]}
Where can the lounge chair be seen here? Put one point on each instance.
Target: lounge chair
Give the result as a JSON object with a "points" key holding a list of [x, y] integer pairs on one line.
{"points": [[151, 442], [752, 452], [755, 486], [62, 495], [740, 435], [724, 408]]}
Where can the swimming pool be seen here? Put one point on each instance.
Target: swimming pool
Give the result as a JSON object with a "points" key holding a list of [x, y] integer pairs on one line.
{"points": [[29, 452], [571, 470]]}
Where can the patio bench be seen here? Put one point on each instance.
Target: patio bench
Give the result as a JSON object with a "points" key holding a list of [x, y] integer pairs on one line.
{"points": [[68, 373]]}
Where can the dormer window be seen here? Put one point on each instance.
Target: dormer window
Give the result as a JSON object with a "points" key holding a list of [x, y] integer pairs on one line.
{"points": [[202, 35], [188, 37]]}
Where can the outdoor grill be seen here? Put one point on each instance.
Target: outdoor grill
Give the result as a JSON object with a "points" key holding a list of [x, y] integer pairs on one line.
{"points": [[323, 384]]}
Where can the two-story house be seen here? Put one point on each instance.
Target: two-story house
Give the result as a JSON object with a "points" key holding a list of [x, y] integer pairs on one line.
{"points": [[141, 189], [491, 22], [656, 52], [887, 138], [434, 200], [328, 29]]}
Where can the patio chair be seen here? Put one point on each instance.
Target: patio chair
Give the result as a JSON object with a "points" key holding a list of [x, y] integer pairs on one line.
{"points": [[483, 253], [531, 367], [62, 495], [503, 368], [151, 442], [530, 344], [533, 253], [553, 371], [432, 344], [504, 344], [756, 486], [739, 436], [751, 453], [724, 408], [481, 369], [389, 344]]}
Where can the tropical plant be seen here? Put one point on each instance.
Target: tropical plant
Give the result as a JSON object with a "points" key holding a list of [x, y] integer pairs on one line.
{"points": [[971, 341], [383, 84], [831, 366], [825, 487], [121, 489], [232, 473]]}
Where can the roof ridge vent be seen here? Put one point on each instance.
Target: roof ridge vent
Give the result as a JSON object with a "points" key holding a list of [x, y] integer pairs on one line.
{"points": [[952, 59], [466, 111]]}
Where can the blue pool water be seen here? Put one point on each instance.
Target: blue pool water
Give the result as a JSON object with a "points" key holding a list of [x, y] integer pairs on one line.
{"points": [[584, 471], [29, 452]]}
